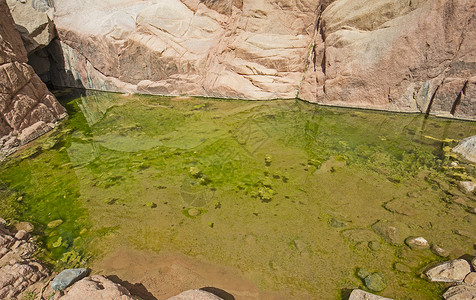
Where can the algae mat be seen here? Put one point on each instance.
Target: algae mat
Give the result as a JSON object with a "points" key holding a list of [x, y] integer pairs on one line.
{"points": [[294, 197]]}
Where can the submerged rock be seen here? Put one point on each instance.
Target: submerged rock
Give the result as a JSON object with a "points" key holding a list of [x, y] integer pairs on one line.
{"points": [[450, 271], [439, 251], [460, 292], [467, 186], [195, 295], [55, 223], [363, 295], [375, 282], [417, 242], [97, 287], [68, 277], [467, 148], [392, 232]]}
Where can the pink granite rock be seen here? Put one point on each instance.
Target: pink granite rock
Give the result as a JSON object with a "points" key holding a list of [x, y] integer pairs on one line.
{"points": [[392, 55], [97, 287], [24, 98]]}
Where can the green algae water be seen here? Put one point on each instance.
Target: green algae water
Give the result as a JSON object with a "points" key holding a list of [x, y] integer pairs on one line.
{"points": [[296, 196]]}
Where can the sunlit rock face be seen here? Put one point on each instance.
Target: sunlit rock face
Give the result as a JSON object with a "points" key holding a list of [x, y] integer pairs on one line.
{"points": [[236, 49], [397, 55], [416, 56], [27, 108]]}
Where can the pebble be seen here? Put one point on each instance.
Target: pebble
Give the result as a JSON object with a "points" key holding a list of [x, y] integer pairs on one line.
{"points": [[439, 251], [21, 234], [417, 243], [402, 267], [55, 223], [193, 212]]}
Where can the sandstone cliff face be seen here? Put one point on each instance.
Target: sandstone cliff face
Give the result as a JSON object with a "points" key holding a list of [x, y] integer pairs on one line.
{"points": [[397, 55], [27, 108]]}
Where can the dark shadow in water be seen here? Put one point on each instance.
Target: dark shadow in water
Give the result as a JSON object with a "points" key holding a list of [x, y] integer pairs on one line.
{"points": [[136, 289], [345, 294], [218, 292]]}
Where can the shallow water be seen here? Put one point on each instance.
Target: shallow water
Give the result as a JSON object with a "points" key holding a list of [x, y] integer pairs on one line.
{"points": [[286, 192]]}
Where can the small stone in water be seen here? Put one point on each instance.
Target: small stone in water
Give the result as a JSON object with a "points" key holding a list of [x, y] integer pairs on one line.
{"points": [[362, 273], [417, 242], [195, 172], [268, 159], [337, 224], [193, 212], [55, 223], [150, 204], [374, 245], [375, 282], [439, 251], [402, 268]]}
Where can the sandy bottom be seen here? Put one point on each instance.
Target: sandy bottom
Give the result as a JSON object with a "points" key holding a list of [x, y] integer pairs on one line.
{"points": [[159, 276]]}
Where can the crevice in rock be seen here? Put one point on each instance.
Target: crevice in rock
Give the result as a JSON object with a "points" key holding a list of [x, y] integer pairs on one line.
{"points": [[458, 98], [428, 109]]}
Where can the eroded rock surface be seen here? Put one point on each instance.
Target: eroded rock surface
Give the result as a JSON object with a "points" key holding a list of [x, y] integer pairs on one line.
{"points": [[27, 108], [17, 270], [393, 55]]}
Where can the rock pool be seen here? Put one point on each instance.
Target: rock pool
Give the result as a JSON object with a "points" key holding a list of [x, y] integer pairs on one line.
{"points": [[295, 199]]}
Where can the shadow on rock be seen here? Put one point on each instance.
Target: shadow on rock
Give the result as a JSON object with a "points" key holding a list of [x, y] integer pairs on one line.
{"points": [[136, 289], [218, 292]]}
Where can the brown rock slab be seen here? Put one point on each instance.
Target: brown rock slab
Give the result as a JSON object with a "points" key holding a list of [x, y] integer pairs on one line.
{"points": [[450, 271]]}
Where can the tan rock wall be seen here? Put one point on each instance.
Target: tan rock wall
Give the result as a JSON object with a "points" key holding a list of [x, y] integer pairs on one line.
{"points": [[416, 56], [27, 108]]}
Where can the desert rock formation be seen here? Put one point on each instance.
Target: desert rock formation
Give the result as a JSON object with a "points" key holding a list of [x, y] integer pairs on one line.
{"points": [[27, 108]]}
